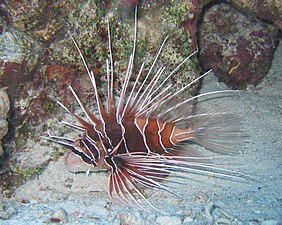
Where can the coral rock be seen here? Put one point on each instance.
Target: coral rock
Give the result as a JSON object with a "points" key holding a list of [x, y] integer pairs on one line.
{"points": [[238, 49], [4, 109], [60, 216], [270, 10], [19, 55], [35, 17]]}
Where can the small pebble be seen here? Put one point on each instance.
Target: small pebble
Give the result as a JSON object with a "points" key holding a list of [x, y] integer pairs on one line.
{"points": [[188, 220], [223, 221], [168, 220], [271, 222], [60, 216]]}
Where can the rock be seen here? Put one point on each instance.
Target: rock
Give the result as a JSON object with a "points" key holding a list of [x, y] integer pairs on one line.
{"points": [[60, 216], [238, 49], [4, 104], [4, 109], [38, 18], [265, 9], [271, 222], [19, 56], [132, 217], [169, 220], [188, 220]]}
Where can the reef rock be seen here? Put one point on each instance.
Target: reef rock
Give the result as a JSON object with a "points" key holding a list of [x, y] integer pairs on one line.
{"points": [[4, 110], [270, 10], [19, 56], [237, 48], [38, 18]]}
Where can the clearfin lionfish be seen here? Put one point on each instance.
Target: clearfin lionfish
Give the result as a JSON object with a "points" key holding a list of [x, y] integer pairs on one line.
{"points": [[142, 136]]}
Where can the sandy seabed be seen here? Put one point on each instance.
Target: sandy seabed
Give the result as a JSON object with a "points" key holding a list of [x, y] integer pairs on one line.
{"points": [[84, 199]]}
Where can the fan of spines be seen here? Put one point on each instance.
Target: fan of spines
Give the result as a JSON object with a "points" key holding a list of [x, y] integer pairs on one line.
{"points": [[140, 137]]}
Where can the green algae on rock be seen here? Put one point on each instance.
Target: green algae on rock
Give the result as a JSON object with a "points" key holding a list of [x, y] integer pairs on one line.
{"points": [[87, 23]]}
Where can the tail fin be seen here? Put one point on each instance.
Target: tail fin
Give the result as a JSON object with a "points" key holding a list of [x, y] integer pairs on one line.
{"points": [[219, 132]]}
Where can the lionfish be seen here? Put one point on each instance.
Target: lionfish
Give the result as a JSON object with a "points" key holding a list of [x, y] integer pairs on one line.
{"points": [[142, 137]]}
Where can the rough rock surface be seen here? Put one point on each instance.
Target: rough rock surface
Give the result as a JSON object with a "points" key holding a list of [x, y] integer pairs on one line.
{"points": [[19, 56], [270, 10], [237, 48], [4, 110]]}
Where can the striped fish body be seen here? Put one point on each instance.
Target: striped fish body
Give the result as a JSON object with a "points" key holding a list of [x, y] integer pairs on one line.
{"points": [[144, 135]]}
